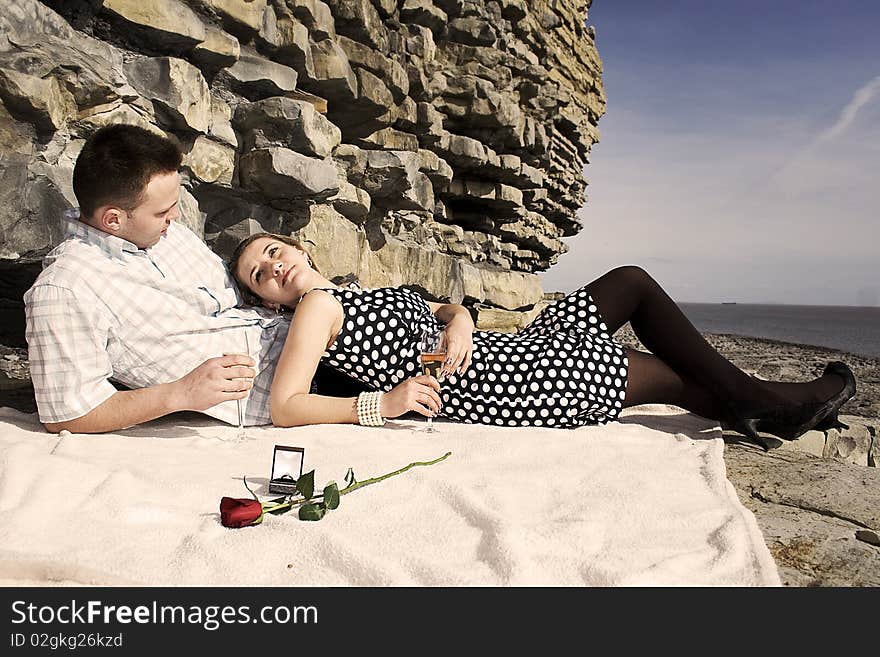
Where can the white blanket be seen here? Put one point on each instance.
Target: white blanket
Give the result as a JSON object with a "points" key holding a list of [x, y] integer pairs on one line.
{"points": [[642, 501]]}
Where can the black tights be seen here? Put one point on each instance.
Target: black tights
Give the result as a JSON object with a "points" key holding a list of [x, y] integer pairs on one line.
{"points": [[682, 368]]}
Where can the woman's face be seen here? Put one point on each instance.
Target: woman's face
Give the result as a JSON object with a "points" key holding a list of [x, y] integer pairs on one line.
{"points": [[276, 272]]}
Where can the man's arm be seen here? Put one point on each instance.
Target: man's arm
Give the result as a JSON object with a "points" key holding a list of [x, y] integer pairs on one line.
{"points": [[214, 381]]}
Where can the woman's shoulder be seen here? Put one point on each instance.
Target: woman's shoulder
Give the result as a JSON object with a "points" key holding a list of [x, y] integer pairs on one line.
{"points": [[320, 300]]}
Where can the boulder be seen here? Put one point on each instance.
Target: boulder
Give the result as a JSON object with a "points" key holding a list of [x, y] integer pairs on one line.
{"points": [[255, 77], [19, 232], [423, 12], [422, 44], [92, 71], [435, 167], [352, 160], [374, 97], [472, 31], [294, 124], [281, 173], [135, 114], [167, 25], [210, 161], [352, 202], [217, 50], [191, 215], [506, 321], [316, 16], [294, 48], [393, 177], [334, 78], [405, 115], [359, 20], [220, 127], [369, 112], [391, 139], [461, 151], [812, 442], [388, 70], [850, 445], [386, 8], [42, 102], [177, 89], [513, 10], [244, 19]]}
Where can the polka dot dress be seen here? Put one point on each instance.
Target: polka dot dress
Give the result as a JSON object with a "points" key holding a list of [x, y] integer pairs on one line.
{"points": [[562, 370]]}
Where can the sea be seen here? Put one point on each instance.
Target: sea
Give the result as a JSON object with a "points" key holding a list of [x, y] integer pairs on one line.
{"points": [[854, 329]]}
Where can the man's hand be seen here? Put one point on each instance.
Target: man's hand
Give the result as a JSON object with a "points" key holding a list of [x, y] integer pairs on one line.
{"points": [[216, 380]]}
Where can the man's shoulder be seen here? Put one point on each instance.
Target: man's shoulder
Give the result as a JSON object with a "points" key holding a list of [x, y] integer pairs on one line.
{"points": [[180, 232], [181, 238], [72, 261]]}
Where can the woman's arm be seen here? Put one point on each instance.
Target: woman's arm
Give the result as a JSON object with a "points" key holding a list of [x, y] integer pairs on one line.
{"points": [[311, 328], [290, 403], [459, 335]]}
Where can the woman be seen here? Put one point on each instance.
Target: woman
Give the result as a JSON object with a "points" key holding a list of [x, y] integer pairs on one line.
{"points": [[562, 370]]}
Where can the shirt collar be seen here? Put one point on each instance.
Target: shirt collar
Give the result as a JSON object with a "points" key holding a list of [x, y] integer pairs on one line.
{"points": [[114, 247]]}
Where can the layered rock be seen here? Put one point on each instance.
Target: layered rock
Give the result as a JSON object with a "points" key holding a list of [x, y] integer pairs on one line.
{"points": [[441, 136]]}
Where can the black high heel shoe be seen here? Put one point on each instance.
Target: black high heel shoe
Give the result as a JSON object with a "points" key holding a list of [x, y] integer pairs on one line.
{"points": [[790, 422], [830, 421], [785, 422]]}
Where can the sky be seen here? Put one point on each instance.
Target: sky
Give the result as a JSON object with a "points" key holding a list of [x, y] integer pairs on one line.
{"points": [[739, 157]]}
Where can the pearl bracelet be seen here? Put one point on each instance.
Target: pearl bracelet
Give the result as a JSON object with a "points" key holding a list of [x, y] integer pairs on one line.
{"points": [[369, 412]]}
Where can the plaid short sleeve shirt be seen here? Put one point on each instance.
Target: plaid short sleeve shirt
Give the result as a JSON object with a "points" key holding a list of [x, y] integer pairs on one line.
{"points": [[102, 309]]}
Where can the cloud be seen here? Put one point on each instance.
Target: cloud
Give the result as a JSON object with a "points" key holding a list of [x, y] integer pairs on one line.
{"points": [[787, 174], [848, 114]]}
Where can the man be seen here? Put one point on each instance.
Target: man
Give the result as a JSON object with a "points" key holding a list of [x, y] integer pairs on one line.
{"points": [[133, 296]]}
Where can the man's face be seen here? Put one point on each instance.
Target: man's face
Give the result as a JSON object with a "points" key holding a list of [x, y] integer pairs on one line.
{"points": [[147, 223]]}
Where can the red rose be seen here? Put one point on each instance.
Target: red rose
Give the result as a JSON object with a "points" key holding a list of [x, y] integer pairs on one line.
{"points": [[240, 512]]}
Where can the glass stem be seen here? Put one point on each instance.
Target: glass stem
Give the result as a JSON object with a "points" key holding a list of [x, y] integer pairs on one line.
{"points": [[247, 348]]}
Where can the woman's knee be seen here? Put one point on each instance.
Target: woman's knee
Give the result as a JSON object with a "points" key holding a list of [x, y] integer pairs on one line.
{"points": [[633, 274], [632, 277]]}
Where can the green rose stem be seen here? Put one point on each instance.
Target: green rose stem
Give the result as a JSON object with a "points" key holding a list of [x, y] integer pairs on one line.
{"points": [[289, 504]]}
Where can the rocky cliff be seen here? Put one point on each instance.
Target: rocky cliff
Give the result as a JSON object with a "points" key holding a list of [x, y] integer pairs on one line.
{"points": [[434, 143]]}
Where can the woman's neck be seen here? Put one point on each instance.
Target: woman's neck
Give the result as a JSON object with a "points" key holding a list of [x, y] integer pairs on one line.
{"points": [[316, 281]]}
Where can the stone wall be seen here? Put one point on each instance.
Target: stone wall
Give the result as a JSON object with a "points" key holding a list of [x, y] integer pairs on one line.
{"points": [[433, 143]]}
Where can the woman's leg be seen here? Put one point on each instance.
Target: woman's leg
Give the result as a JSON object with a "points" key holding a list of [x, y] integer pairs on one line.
{"points": [[630, 294], [651, 381]]}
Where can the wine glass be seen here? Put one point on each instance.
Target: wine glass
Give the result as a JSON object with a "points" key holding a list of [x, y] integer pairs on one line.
{"points": [[432, 352], [242, 435]]}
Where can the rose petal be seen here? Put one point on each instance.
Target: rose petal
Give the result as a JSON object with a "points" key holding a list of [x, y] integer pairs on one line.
{"points": [[236, 512]]}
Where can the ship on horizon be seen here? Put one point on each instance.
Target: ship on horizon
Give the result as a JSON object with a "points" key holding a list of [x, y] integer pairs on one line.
{"points": [[728, 303]]}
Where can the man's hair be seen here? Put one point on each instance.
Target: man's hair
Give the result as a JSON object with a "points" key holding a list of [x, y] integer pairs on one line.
{"points": [[116, 164], [247, 294]]}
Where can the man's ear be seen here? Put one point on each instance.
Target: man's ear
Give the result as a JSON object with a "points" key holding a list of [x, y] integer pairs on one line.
{"points": [[110, 219]]}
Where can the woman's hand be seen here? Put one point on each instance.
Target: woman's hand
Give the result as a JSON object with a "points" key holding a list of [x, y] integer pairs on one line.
{"points": [[459, 344], [420, 394]]}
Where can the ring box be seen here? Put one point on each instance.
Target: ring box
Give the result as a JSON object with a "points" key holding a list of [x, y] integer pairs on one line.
{"points": [[287, 465]]}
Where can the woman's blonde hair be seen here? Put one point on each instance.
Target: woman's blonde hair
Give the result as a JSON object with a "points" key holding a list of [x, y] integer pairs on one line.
{"points": [[247, 294]]}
